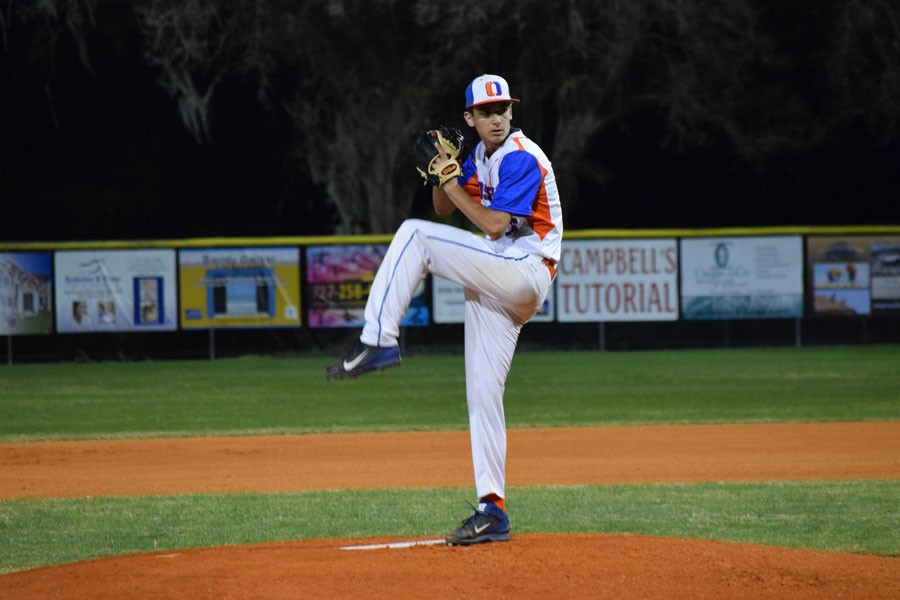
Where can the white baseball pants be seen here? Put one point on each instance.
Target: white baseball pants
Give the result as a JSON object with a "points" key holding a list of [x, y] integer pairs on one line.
{"points": [[504, 288]]}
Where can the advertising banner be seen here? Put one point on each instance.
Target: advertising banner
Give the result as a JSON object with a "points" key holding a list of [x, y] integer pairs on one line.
{"points": [[449, 302], [339, 279], [26, 289], [742, 278], [617, 280], [115, 290], [239, 287], [854, 275]]}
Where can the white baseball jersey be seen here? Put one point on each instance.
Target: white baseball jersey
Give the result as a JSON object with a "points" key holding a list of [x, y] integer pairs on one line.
{"points": [[518, 178]]}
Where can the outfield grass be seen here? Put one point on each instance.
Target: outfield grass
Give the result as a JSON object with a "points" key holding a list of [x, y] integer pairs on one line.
{"points": [[857, 516], [290, 395], [255, 395]]}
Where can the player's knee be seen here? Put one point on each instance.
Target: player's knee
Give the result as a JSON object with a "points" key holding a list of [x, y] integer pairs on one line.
{"points": [[410, 227]]}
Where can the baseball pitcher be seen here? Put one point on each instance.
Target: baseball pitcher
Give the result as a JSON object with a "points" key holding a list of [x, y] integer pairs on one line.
{"points": [[507, 189]]}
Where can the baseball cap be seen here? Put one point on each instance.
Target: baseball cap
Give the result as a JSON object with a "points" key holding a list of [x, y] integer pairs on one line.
{"points": [[487, 88]]}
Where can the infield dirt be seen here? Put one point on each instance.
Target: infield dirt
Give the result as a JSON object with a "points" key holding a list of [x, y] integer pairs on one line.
{"points": [[530, 566]]}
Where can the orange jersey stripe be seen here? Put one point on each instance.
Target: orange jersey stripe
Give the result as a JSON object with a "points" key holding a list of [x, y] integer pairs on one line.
{"points": [[540, 220], [471, 188]]}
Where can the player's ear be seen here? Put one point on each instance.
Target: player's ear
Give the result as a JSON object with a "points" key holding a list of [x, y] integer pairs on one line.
{"points": [[470, 121]]}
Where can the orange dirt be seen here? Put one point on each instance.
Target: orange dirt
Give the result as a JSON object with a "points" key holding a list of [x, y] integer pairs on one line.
{"points": [[531, 566]]}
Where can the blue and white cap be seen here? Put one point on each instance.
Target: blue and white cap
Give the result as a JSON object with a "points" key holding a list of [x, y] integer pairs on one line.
{"points": [[487, 88]]}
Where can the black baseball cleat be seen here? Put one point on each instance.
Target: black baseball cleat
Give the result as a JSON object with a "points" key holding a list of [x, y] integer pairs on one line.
{"points": [[362, 359], [488, 524]]}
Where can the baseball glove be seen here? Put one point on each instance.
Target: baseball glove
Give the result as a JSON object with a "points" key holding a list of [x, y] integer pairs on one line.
{"points": [[427, 157]]}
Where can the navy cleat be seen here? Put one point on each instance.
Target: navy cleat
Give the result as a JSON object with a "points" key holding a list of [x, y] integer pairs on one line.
{"points": [[363, 359], [488, 524]]}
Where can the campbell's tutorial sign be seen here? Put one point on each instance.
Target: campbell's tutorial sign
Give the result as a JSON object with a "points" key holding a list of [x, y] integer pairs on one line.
{"points": [[618, 280]]}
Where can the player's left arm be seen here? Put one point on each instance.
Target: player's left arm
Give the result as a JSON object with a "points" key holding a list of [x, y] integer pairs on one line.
{"points": [[492, 222], [450, 196]]}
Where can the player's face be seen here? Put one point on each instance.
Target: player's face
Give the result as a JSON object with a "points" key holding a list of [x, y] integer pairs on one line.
{"points": [[492, 122]]}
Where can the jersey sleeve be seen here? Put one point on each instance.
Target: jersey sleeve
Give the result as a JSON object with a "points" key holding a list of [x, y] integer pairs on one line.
{"points": [[520, 178]]}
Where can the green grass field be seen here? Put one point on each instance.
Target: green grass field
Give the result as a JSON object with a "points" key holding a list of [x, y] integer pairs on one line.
{"points": [[254, 395]]}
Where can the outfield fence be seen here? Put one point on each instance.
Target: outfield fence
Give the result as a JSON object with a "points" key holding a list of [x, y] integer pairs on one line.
{"points": [[615, 290]]}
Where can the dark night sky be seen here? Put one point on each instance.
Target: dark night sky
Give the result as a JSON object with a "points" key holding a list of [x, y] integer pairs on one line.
{"points": [[850, 180], [107, 157]]}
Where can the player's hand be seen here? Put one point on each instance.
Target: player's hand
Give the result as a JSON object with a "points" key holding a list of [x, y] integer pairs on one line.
{"points": [[436, 152]]}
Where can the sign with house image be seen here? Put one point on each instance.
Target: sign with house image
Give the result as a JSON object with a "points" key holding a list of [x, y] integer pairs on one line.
{"points": [[26, 293]]}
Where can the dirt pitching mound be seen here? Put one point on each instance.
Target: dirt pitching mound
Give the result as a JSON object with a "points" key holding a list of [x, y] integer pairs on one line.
{"points": [[530, 566]]}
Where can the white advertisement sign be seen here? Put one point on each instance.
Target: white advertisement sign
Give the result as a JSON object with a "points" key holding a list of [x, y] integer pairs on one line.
{"points": [[115, 290], [449, 302], [742, 278], [617, 280]]}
